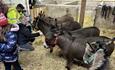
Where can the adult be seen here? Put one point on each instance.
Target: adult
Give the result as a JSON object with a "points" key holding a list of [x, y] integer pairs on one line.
{"points": [[25, 36], [14, 14]]}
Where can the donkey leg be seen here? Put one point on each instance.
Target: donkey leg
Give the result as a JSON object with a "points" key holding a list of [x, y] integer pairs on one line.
{"points": [[61, 54], [102, 13], [69, 64], [114, 19], [51, 49]]}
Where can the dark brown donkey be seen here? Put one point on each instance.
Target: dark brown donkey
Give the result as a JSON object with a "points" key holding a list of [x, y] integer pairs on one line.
{"points": [[69, 25], [80, 33], [74, 48]]}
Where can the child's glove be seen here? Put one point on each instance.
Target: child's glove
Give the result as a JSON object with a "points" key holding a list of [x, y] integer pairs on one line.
{"points": [[15, 27]]}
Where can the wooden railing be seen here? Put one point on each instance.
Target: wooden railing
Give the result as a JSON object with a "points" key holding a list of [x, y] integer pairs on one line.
{"points": [[47, 8]]}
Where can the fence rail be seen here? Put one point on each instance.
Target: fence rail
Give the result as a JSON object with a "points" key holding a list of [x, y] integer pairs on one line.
{"points": [[53, 7], [57, 5]]}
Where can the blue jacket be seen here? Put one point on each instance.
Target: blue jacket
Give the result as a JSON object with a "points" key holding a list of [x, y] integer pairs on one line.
{"points": [[8, 49]]}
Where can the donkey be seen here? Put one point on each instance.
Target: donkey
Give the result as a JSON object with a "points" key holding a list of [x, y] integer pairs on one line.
{"points": [[80, 33], [73, 49], [48, 30], [67, 24], [86, 32], [39, 24]]}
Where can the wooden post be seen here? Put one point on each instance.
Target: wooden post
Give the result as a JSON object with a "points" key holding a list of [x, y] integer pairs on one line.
{"points": [[27, 6], [77, 12], [82, 12]]}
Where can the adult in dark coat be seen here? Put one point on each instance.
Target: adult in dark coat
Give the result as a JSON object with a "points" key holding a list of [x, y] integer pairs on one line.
{"points": [[25, 37]]}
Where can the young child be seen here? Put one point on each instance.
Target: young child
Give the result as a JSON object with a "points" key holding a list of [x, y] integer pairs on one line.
{"points": [[8, 48]]}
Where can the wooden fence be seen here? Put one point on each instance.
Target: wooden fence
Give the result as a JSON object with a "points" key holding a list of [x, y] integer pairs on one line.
{"points": [[55, 10]]}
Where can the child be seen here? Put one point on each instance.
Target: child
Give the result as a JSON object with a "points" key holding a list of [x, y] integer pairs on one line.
{"points": [[8, 48]]}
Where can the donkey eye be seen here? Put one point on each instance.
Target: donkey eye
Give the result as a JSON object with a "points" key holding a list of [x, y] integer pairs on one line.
{"points": [[93, 45]]}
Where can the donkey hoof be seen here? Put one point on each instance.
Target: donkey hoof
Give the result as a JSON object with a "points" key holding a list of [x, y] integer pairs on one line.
{"points": [[60, 55], [51, 51], [68, 68]]}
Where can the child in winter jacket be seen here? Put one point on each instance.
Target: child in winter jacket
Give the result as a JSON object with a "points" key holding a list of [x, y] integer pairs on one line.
{"points": [[8, 48]]}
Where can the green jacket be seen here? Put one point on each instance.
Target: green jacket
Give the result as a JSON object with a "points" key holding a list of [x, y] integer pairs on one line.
{"points": [[13, 16]]}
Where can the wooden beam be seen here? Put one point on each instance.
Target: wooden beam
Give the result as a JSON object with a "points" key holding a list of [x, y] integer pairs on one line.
{"points": [[82, 12], [57, 5]]}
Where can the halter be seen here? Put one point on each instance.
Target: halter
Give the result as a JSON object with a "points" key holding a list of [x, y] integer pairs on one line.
{"points": [[52, 42], [56, 39]]}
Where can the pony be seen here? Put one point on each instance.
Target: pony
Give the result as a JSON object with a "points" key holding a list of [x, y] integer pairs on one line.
{"points": [[69, 25], [80, 33], [73, 49]]}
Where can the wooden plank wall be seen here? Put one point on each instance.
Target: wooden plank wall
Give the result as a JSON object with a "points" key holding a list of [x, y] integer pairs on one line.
{"points": [[48, 10], [34, 12]]}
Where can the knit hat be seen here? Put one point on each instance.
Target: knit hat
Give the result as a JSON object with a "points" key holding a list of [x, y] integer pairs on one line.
{"points": [[20, 6], [3, 20]]}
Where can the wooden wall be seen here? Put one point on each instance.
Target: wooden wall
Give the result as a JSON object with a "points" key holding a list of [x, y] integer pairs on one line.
{"points": [[36, 10], [55, 10]]}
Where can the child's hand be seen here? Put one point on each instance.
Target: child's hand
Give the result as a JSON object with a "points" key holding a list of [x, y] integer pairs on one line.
{"points": [[15, 27]]}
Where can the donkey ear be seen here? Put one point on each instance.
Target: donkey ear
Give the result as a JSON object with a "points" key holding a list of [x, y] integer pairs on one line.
{"points": [[40, 11], [56, 22], [40, 14], [88, 45], [34, 17], [55, 19]]}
